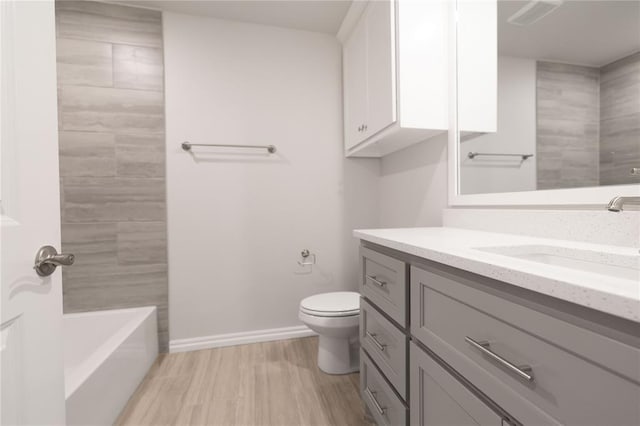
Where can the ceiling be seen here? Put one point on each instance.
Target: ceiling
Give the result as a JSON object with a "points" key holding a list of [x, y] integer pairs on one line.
{"points": [[589, 32], [324, 16], [593, 33]]}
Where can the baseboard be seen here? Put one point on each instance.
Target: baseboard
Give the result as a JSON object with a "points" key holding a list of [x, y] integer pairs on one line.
{"points": [[232, 339]]}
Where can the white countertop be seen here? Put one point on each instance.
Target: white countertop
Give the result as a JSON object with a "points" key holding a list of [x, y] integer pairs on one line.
{"points": [[457, 247]]}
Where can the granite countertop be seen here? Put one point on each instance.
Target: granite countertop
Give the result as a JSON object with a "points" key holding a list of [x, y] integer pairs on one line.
{"points": [[619, 296]]}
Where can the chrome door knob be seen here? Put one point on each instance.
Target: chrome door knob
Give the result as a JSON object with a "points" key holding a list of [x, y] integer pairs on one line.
{"points": [[48, 259]]}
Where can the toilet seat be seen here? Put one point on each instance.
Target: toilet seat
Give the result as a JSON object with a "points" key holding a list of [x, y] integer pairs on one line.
{"points": [[335, 304]]}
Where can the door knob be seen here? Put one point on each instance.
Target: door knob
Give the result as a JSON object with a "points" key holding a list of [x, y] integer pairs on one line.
{"points": [[48, 259]]}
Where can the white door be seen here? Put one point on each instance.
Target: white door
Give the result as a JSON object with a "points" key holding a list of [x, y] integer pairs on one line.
{"points": [[31, 352], [381, 66], [355, 85]]}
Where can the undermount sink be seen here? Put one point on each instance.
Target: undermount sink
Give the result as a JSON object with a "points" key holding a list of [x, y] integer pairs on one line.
{"points": [[602, 263]]}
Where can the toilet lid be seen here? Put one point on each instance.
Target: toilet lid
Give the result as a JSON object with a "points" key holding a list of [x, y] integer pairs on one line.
{"points": [[339, 303]]}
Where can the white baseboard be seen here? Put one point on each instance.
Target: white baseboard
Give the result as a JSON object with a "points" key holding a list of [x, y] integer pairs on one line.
{"points": [[232, 339]]}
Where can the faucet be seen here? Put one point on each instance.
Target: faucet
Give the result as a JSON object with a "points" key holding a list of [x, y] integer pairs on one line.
{"points": [[616, 203]]}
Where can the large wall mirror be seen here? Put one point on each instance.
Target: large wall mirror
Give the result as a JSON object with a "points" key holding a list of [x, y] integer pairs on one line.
{"points": [[548, 96]]}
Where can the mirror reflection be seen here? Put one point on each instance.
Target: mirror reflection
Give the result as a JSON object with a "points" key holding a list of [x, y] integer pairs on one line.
{"points": [[567, 108]]}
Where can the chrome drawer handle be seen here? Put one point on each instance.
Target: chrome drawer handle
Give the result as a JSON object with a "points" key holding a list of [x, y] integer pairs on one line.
{"points": [[371, 395], [523, 371], [380, 346], [376, 281]]}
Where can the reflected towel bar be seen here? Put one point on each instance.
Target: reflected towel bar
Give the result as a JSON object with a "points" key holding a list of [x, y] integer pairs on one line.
{"points": [[473, 155], [187, 146]]}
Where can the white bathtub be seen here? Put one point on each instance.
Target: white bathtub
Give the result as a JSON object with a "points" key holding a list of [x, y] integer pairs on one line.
{"points": [[106, 356]]}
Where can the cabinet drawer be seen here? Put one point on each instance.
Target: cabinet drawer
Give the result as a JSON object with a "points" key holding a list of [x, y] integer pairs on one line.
{"points": [[440, 399], [385, 406], [578, 376], [386, 344], [384, 282]]}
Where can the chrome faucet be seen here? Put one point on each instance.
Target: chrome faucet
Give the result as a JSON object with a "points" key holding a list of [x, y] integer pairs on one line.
{"points": [[616, 204]]}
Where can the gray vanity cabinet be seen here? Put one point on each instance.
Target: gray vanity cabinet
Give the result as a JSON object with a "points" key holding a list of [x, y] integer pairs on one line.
{"points": [[384, 337], [540, 368], [386, 344], [383, 403], [384, 282], [465, 349], [439, 399]]}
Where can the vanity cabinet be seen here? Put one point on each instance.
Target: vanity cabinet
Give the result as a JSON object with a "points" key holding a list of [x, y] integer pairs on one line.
{"points": [[439, 399], [369, 74], [543, 369], [480, 351], [395, 66], [384, 338]]}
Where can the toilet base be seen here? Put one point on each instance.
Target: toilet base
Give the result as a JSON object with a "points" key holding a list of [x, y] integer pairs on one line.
{"points": [[338, 355]]}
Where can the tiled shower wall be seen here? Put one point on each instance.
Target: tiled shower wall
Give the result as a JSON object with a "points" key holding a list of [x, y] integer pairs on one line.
{"points": [[588, 123], [567, 125], [620, 120], [112, 157]]}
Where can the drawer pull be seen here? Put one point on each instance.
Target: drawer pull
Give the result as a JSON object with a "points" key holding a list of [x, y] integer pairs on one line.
{"points": [[372, 396], [522, 371], [376, 281], [380, 346]]}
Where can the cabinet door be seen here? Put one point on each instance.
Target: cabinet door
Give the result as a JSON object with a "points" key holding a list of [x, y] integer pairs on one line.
{"points": [[355, 84], [381, 66], [439, 399], [477, 59]]}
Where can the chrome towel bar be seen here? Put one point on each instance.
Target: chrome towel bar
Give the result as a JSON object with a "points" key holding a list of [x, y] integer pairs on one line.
{"points": [[187, 146], [473, 155]]}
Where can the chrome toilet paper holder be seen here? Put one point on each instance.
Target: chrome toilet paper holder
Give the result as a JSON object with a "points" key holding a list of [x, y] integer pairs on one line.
{"points": [[306, 254]]}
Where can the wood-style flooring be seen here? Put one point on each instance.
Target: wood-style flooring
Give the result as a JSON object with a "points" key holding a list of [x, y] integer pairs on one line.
{"points": [[272, 383]]}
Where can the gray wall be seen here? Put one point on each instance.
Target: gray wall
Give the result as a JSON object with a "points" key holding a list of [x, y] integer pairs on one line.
{"points": [[620, 120], [568, 120], [112, 159]]}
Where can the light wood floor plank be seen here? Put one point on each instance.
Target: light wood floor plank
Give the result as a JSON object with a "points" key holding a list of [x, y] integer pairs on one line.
{"points": [[271, 384]]}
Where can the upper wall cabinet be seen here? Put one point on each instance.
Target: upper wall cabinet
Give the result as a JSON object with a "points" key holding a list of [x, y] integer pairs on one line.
{"points": [[477, 67], [395, 63]]}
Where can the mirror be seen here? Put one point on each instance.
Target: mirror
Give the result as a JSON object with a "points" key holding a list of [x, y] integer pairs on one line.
{"points": [[564, 109]]}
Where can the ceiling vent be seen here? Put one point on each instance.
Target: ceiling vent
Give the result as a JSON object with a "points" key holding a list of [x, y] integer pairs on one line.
{"points": [[533, 12]]}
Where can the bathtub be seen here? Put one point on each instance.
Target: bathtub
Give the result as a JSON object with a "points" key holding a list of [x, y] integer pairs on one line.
{"points": [[106, 356]]}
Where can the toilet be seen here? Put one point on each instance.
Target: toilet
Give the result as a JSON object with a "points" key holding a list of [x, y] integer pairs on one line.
{"points": [[336, 318]]}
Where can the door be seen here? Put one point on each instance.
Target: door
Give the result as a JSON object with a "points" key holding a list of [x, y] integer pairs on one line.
{"points": [[381, 66], [355, 85], [439, 399], [31, 353]]}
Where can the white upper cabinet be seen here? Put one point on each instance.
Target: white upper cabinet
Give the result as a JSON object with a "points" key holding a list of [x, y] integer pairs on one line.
{"points": [[355, 102], [477, 63], [381, 72], [395, 63]]}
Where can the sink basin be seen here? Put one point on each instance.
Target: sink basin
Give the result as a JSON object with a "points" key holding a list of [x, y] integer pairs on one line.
{"points": [[608, 264]]}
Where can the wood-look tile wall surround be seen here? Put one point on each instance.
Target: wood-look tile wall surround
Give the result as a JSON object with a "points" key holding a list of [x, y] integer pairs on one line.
{"points": [[567, 125], [620, 121], [588, 123], [112, 157]]}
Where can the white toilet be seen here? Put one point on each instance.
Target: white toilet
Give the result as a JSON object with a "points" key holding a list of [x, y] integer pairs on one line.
{"points": [[336, 319]]}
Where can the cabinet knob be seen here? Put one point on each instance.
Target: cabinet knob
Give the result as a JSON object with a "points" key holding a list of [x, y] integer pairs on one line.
{"points": [[364, 127], [360, 128]]}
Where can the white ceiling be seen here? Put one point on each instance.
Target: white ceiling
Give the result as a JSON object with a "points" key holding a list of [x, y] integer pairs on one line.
{"points": [[324, 16], [593, 33]]}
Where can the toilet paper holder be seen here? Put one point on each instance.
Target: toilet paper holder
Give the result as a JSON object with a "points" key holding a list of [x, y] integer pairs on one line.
{"points": [[306, 254]]}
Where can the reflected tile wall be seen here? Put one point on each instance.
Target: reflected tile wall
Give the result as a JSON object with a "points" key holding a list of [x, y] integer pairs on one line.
{"points": [[588, 124], [620, 121], [112, 157], [567, 114]]}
